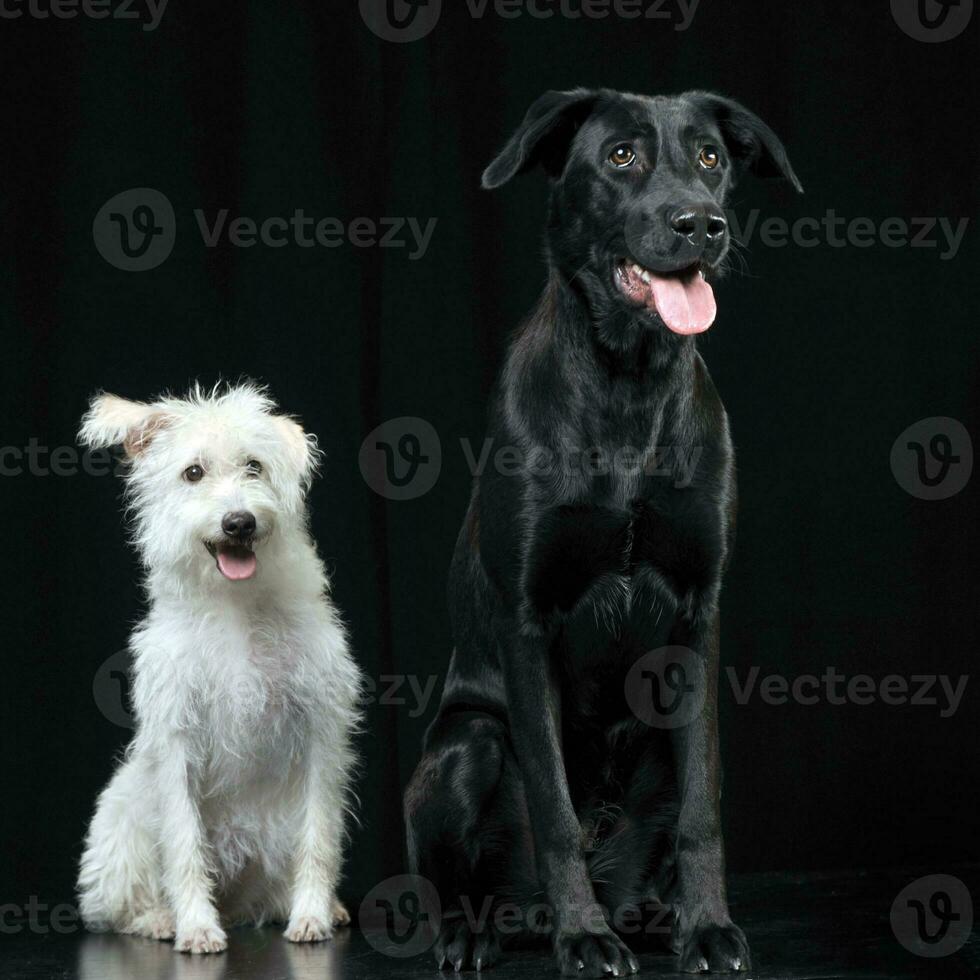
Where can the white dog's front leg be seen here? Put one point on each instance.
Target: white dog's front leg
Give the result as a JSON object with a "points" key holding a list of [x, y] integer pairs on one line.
{"points": [[186, 863], [315, 909]]}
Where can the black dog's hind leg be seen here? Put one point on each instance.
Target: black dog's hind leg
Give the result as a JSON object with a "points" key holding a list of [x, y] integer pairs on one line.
{"points": [[455, 835]]}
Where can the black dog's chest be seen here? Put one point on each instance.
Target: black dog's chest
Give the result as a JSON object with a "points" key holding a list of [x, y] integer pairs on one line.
{"points": [[587, 558]]}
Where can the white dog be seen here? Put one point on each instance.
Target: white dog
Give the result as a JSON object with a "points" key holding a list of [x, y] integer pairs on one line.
{"points": [[232, 794]]}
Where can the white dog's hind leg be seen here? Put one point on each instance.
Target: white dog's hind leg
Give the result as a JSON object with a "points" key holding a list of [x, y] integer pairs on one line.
{"points": [[315, 909], [187, 871], [119, 881]]}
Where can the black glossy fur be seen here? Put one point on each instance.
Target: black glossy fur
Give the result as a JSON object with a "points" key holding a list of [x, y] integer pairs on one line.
{"points": [[538, 785]]}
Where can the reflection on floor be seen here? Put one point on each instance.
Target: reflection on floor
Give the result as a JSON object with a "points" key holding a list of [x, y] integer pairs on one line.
{"points": [[826, 926]]}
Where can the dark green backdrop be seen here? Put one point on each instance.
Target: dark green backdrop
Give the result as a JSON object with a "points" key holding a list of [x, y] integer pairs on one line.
{"points": [[823, 357]]}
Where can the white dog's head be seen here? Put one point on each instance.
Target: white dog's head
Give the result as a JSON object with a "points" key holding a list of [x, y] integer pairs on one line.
{"points": [[211, 478]]}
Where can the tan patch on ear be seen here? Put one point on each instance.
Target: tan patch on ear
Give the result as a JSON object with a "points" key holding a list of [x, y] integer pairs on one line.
{"points": [[302, 451], [139, 438]]}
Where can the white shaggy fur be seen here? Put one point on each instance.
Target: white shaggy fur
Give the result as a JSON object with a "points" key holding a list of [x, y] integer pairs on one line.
{"points": [[232, 794]]}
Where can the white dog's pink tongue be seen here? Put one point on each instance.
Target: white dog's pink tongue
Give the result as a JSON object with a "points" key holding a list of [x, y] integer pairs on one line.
{"points": [[686, 305], [236, 562]]}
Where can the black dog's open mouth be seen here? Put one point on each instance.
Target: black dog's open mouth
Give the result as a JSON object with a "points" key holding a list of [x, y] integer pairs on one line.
{"points": [[235, 560], [684, 300]]}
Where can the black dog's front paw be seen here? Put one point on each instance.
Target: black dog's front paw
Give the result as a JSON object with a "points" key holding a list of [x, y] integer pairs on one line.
{"points": [[714, 948], [459, 947], [587, 954]]}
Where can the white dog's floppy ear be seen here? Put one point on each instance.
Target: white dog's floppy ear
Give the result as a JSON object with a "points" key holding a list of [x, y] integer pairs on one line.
{"points": [[115, 421], [301, 448]]}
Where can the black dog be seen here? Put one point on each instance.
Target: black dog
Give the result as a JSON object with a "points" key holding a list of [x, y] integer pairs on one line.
{"points": [[547, 798]]}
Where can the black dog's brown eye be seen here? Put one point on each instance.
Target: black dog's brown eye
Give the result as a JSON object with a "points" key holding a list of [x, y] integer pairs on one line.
{"points": [[194, 473], [254, 467], [709, 158], [622, 156]]}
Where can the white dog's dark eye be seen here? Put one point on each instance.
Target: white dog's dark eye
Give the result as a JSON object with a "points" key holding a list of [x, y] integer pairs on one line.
{"points": [[254, 467], [623, 156], [194, 473], [709, 158]]}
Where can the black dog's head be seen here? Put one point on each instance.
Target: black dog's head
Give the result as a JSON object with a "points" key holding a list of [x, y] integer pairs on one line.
{"points": [[639, 187]]}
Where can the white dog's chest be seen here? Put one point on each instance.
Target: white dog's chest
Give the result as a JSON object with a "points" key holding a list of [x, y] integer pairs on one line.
{"points": [[255, 711], [244, 690]]}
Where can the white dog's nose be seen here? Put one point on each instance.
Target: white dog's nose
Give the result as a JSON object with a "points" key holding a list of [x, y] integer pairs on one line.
{"points": [[238, 524]]}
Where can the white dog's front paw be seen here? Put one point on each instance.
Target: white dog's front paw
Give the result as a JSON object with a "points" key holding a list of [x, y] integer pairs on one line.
{"points": [[341, 917], [153, 924], [307, 929], [201, 939]]}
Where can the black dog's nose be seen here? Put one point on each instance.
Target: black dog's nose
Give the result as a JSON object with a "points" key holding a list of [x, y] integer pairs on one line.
{"points": [[688, 220], [238, 524]]}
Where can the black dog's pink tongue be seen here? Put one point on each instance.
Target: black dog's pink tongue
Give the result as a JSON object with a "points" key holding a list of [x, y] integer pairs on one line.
{"points": [[686, 305]]}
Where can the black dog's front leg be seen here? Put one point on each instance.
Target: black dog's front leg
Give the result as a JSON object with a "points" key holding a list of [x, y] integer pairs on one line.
{"points": [[705, 937], [583, 941]]}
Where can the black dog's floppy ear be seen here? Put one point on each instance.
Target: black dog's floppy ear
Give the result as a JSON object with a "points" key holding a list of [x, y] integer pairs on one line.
{"points": [[543, 137], [750, 141]]}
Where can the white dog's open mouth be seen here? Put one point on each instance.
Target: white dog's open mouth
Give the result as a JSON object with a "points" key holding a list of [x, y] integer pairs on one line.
{"points": [[683, 300], [235, 561]]}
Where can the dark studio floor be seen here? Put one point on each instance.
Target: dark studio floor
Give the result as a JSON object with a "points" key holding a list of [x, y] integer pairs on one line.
{"points": [[824, 926]]}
